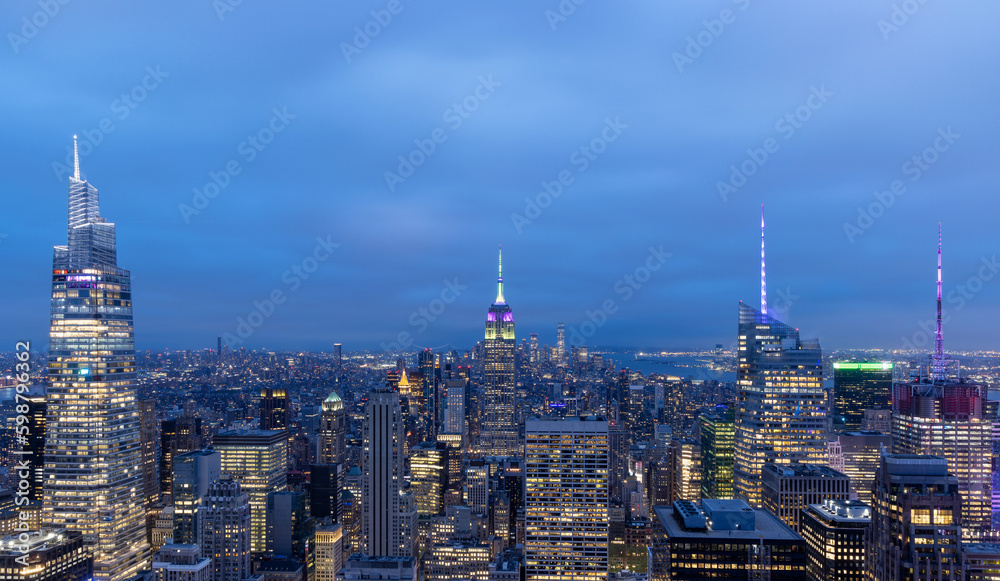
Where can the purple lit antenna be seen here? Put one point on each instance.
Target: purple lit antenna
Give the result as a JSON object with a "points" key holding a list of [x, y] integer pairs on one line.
{"points": [[939, 363], [763, 277]]}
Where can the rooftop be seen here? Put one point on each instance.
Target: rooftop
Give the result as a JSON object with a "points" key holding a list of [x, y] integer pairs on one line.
{"points": [[766, 525]]}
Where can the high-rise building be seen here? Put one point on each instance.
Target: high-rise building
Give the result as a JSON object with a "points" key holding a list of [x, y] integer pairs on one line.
{"points": [[360, 566], [782, 406], [498, 434], [723, 539], [337, 355], [93, 452], [717, 433], [835, 536], [862, 453], [382, 528], [858, 387], [428, 412], [329, 558], [34, 448], [147, 439], [333, 431], [258, 459], [177, 562], [193, 473], [916, 517], [566, 499], [326, 485], [275, 409], [429, 477], [289, 526], [687, 469], [533, 356], [225, 530], [477, 486], [561, 345], [454, 416], [45, 555], [787, 489], [877, 421], [457, 560], [177, 436]]}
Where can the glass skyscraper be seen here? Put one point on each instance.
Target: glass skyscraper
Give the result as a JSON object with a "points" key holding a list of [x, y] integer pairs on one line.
{"points": [[93, 459], [499, 432], [858, 387], [782, 409]]}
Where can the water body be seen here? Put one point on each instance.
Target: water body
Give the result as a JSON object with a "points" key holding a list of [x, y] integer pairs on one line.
{"points": [[699, 367]]}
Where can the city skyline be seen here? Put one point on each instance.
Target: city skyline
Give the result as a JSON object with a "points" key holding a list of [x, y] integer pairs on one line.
{"points": [[872, 98]]}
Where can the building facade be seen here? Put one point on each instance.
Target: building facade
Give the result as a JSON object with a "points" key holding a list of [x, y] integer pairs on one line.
{"points": [[835, 536], [858, 387], [498, 435]]}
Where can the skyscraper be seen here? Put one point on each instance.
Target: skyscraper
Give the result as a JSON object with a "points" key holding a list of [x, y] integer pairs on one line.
{"points": [[566, 499], [382, 527], [275, 409], [258, 460], [915, 522], [333, 431], [858, 387], [686, 456], [499, 432], [35, 446], [225, 530], [93, 458], [782, 407], [717, 432], [147, 422], [429, 476], [947, 417], [193, 473], [561, 345]]}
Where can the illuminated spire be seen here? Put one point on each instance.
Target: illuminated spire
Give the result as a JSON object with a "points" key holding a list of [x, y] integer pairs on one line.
{"points": [[500, 300], [938, 357], [76, 160], [763, 277]]}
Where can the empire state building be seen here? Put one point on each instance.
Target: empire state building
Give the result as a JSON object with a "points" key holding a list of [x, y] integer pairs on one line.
{"points": [[499, 433], [93, 466]]}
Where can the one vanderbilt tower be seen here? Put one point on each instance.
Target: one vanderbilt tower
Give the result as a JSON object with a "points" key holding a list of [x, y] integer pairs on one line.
{"points": [[93, 466]]}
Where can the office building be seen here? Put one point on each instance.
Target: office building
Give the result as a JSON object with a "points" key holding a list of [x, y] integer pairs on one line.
{"points": [[338, 360], [498, 434], [45, 555], [147, 443], [429, 477], [787, 489], [275, 409], [289, 525], [835, 537], [93, 452], [477, 486], [717, 433], [858, 387], [687, 469], [862, 453], [382, 467], [193, 473], [329, 552], [258, 460], [226, 530], [916, 520], [877, 421], [34, 448], [457, 560], [722, 539], [381, 568], [177, 562], [177, 436], [981, 561], [454, 415], [566, 498], [333, 431], [326, 485]]}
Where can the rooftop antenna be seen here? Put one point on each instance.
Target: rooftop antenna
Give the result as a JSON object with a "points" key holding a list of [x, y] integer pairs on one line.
{"points": [[500, 299], [76, 160], [938, 357], [763, 276]]}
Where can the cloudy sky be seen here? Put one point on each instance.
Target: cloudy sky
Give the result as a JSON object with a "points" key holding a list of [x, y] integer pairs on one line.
{"points": [[229, 138]]}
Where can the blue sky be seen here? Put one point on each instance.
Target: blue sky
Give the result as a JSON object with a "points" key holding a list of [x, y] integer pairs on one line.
{"points": [[652, 114]]}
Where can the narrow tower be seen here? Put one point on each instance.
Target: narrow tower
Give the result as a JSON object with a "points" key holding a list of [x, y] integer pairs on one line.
{"points": [[499, 433], [939, 363], [93, 458], [763, 272]]}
